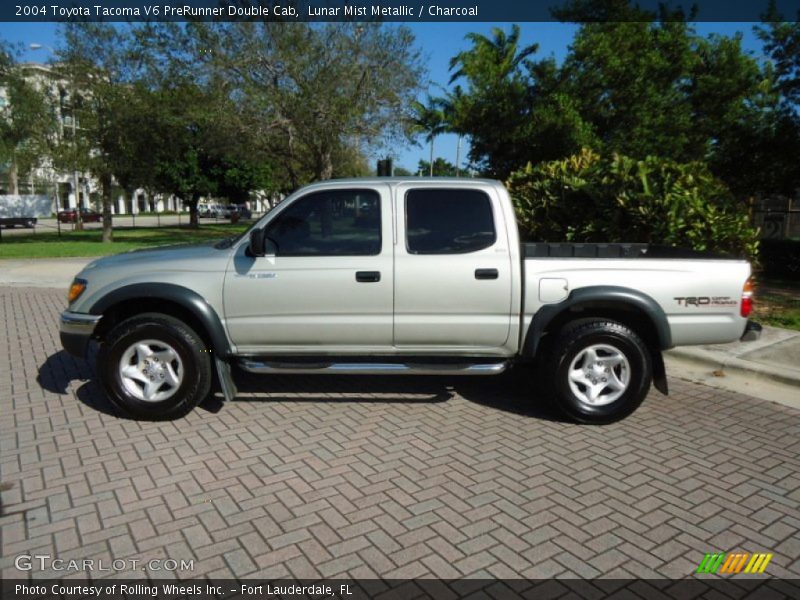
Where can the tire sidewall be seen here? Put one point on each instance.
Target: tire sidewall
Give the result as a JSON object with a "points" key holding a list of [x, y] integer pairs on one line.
{"points": [[181, 340], [640, 371]]}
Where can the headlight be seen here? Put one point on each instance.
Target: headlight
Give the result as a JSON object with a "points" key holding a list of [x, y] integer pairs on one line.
{"points": [[75, 290]]}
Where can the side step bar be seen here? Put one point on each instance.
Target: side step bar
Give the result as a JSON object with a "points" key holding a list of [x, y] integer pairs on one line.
{"points": [[263, 367]]}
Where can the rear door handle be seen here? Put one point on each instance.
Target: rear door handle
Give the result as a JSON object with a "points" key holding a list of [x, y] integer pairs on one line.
{"points": [[486, 274], [368, 276]]}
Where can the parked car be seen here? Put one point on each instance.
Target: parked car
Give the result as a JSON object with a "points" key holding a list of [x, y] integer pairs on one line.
{"points": [[400, 276], [206, 210], [224, 211], [242, 211], [218, 211], [87, 216]]}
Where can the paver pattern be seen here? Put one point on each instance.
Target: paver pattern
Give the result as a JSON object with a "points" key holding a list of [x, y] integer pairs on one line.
{"points": [[320, 477]]}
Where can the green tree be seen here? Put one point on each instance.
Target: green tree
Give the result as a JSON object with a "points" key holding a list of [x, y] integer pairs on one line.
{"points": [[150, 119], [772, 142], [439, 168], [629, 80], [782, 44], [27, 120], [187, 144], [96, 65], [649, 85], [314, 92], [511, 107], [129, 148], [635, 83]]}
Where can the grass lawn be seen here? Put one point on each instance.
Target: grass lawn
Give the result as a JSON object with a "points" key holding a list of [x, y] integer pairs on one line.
{"points": [[88, 243], [777, 303]]}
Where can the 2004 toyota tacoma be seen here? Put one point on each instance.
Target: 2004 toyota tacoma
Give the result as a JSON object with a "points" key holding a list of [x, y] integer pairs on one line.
{"points": [[399, 276]]}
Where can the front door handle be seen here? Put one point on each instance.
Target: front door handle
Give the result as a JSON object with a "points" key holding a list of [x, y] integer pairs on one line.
{"points": [[368, 276], [486, 274]]}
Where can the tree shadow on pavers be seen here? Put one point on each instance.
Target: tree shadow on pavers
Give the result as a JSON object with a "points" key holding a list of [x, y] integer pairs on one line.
{"points": [[510, 392], [61, 369]]}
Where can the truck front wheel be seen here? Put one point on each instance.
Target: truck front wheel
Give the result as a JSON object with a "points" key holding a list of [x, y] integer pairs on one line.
{"points": [[602, 371], [154, 367]]}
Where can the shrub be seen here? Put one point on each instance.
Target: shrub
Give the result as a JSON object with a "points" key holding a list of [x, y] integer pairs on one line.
{"points": [[591, 198]]}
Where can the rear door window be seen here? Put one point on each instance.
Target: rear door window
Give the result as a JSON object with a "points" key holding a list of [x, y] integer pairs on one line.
{"points": [[448, 221]]}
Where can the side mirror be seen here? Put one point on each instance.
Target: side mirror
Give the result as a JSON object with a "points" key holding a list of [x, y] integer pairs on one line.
{"points": [[256, 247], [270, 247]]}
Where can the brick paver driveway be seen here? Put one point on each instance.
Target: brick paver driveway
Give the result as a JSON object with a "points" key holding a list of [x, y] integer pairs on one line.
{"points": [[364, 477]]}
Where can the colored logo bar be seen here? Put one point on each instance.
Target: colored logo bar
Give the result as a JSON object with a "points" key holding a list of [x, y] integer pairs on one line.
{"points": [[734, 562]]}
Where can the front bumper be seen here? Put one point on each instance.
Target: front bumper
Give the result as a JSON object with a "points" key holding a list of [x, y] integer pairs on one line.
{"points": [[76, 331], [752, 332]]}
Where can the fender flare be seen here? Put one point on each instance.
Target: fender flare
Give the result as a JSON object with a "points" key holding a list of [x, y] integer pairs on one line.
{"points": [[606, 296], [184, 297]]}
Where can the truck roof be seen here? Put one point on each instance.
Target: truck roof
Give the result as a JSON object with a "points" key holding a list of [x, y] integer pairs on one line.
{"points": [[407, 179]]}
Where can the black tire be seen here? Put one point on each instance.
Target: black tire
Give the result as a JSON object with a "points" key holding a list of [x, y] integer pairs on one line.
{"points": [[30, 224], [603, 337], [194, 363]]}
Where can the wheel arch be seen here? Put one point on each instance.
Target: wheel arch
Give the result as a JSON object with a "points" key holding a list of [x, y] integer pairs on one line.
{"points": [[630, 307], [166, 298]]}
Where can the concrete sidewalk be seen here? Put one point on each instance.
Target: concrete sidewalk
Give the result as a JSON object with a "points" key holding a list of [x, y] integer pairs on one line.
{"points": [[768, 368], [40, 272]]}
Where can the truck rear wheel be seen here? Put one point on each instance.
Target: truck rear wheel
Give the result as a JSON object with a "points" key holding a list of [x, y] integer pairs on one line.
{"points": [[154, 367], [602, 371]]}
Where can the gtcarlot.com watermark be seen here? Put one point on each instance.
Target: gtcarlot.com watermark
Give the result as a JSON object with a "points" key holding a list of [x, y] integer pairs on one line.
{"points": [[46, 562]]}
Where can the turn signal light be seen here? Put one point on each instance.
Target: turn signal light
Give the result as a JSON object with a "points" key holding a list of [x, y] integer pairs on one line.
{"points": [[747, 299], [75, 290]]}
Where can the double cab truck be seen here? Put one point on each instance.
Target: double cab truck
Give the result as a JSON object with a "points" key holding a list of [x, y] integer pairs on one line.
{"points": [[400, 276]]}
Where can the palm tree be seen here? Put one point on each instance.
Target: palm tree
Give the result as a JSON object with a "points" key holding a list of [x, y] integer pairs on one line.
{"points": [[493, 58], [492, 63], [429, 120], [450, 106]]}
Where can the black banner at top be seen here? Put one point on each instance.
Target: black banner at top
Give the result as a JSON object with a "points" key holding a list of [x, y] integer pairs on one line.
{"points": [[381, 10]]}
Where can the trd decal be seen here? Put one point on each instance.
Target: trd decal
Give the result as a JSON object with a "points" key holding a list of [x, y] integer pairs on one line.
{"points": [[700, 301]]}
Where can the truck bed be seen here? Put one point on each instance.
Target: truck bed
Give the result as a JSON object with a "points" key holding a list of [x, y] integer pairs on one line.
{"points": [[612, 250]]}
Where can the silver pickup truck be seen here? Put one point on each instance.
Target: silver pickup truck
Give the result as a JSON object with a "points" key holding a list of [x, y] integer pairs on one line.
{"points": [[399, 276]]}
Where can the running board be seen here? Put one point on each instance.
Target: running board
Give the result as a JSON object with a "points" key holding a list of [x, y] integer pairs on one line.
{"points": [[263, 367]]}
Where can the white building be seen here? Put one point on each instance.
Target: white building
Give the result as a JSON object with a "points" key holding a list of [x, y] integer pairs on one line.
{"points": [[60, 185]]}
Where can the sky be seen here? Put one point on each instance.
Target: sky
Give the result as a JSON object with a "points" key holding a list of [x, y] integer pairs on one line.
{"points": [[438, 42]]}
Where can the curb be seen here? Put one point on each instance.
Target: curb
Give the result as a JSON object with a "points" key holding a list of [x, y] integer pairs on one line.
{"points": [[738, 365]]}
